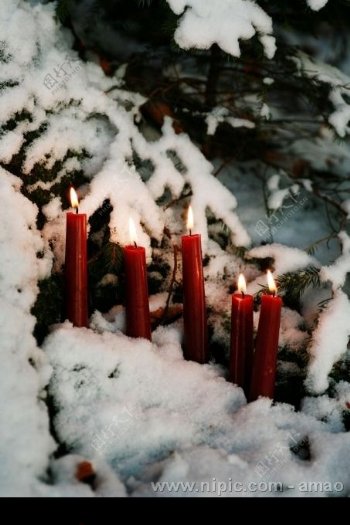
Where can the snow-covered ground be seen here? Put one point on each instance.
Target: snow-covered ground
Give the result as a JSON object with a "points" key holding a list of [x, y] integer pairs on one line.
{"points": [[141, 414], [135, 415], [154, 417]]}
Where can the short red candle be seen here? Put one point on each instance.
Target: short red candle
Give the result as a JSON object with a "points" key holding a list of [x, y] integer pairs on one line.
{"points": [[138, 322], [241, 339], [266, 348], [76, 269], [194, 309]]}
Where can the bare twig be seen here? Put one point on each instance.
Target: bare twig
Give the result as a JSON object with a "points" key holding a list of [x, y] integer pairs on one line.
{"points": [[222, 166], [178, 199], [312, 247], [213, 76], [171, 287], [330, 201]]}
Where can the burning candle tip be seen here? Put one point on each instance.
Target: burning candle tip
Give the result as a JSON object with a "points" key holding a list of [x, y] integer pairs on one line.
{"points": [[271, 283], [190, 220], [74, 199], [242, 285]]}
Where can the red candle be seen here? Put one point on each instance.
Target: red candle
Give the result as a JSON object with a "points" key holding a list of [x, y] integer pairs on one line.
{"points": [[194, 309], [76, 266], [138, 322], [266, 345], [241, 335]]}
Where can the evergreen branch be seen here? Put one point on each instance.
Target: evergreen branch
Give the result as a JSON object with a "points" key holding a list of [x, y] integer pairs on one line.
{"points": [[295, 283], [292, 285]]}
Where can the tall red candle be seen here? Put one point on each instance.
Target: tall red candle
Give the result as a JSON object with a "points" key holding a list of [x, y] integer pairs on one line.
{"points": [[76, 266], [266, 346], [138, 322], [241, 336], [194, 309]]}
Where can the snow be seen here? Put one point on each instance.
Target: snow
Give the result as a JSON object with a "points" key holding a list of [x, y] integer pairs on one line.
{"points": [[341, 117], [291, 334], [322, 152], [346, 206], [10, 145], [157, 418], [221, 114], [208, 192], [137, 411], [25, 439], [273, 182], [109, 142], [106, 483], [329, 341], [104, 375], [223, 22], [337, 272], [286, 259], [326, 409], [104, 144], [277, 196], [338, 81], [316, 5], [330, 338], [265, 111]]}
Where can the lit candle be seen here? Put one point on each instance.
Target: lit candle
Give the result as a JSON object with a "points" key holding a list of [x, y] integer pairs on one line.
{"points": [[76, 265], [194, 309], [241, 335], [266, 346], [138, 323]]}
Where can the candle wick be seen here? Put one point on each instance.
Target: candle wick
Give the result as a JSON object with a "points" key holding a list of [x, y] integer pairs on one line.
{"points": [[135, 244], [77, 210], [243, 294], [274, 293], [190, 232]]}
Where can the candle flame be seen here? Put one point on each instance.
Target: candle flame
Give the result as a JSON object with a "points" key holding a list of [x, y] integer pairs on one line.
{"points": [[74, 198], [271, 282], [190, 220], [242, 285], [132, 231]]}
